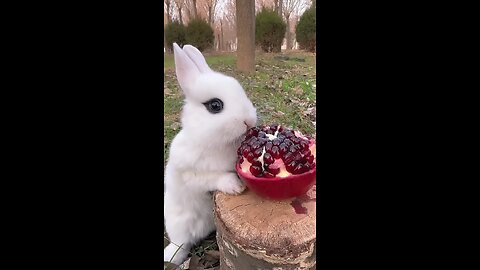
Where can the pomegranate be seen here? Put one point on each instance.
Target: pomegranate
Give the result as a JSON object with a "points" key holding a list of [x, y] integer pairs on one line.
{"points": [[282, 158]]}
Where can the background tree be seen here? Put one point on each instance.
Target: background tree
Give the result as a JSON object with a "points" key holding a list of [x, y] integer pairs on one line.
{"points": [[210, 9], [245, 21], [291, 7], [179, 5], [167, 11], [306, 30], [195, 12], [278, 7], [175, 32], [269, 30], [199, 34]]}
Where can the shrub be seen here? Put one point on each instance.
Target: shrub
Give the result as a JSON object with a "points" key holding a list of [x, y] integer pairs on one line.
{"points": [[306, 30], [269, 30], [175, 32], [199, 34]]}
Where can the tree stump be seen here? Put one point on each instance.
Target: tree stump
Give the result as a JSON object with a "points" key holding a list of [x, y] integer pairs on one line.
{"points": [[255, 233]]}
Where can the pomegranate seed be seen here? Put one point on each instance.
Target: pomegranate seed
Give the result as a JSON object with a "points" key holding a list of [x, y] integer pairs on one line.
{"points": [[283, 148], [245, 151], [275, 151], [262, 141], [240, 160], [256, 163], [257, 171], [276, 141], [252, 132], [288, 142], [297, 156], [304, 145], [307, 165], [291, 166], [288, 157], [310, 159], [292, 149], [258, 152], [262, 134], [268, 146], [289, 134], [250, 157], [273, 169], [299, 169], [255, 146], [267, 158]]}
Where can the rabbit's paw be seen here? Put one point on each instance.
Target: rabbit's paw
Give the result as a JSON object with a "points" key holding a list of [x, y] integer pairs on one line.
{"points": [[231, 184]]}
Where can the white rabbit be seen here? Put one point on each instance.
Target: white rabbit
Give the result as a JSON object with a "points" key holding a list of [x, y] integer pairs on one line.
{"points": [[215, 117]]}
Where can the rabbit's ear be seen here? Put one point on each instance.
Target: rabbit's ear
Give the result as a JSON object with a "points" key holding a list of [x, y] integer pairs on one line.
{"points": [[187, 72], [197, 58]]}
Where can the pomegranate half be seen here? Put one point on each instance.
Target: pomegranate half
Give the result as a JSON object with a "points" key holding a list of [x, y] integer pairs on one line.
{"points": [[276, 162]]}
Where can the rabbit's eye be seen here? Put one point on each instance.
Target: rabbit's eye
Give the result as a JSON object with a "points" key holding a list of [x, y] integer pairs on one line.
{"points": [[214, 105]]}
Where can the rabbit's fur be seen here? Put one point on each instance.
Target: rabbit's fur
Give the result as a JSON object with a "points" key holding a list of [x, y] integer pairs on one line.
{"points": [[203, 154]]}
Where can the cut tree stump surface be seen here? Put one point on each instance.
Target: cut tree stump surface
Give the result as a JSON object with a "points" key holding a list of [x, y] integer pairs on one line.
{"points": [[265, 234]]}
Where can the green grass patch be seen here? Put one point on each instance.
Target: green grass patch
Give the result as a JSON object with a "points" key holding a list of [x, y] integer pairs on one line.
{"points": [[213, 60]]}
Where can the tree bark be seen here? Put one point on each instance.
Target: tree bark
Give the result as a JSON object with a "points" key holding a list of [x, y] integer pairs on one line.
{"points": [[210, 16], [194, 8], [180, 15], [280, 8], [255, 233], [169, 16], [288, 34], [245, 14], [222, 46]]}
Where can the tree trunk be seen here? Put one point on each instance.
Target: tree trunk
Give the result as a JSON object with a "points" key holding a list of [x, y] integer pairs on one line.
{"points": [[194, 9], [256, 233], [169, 16], [180, 15], [245, 15], [165, 41], [210, 16], [280, 8], [222, 46], [288, 35]]}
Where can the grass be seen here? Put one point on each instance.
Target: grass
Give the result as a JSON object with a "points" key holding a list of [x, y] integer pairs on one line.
{"points": [[212, 60], [283, 91]]}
